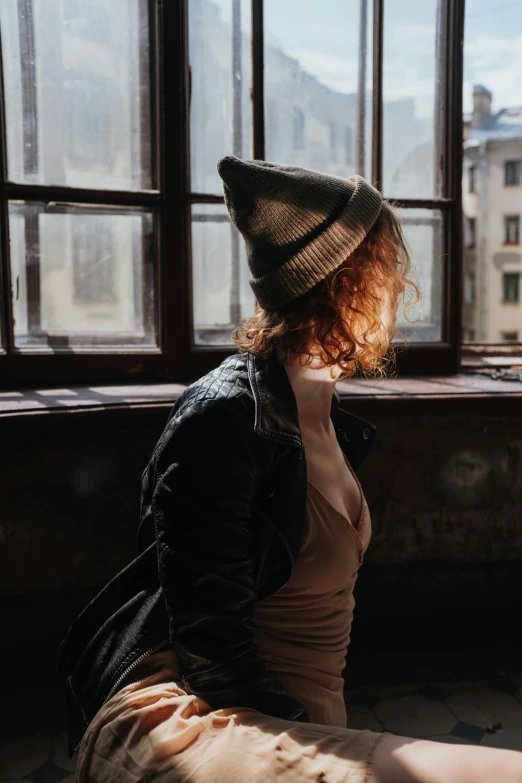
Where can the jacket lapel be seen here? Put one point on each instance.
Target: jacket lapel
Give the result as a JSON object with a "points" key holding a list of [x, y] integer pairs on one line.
{"points": [[277, 417]]}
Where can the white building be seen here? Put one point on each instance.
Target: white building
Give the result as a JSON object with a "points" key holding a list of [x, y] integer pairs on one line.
{"points": [[492, 203]]}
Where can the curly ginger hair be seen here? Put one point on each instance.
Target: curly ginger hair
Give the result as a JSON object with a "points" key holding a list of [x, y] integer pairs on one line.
{"points": [[343, 313]]}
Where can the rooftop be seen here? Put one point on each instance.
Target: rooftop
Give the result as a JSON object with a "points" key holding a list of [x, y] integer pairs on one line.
{"points": [[505, 124]]}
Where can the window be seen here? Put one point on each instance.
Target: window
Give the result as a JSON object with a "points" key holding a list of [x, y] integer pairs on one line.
{"points": [[78, 249], [298, 128], [512, 172], [512, 230], [118, 258], [335, 118], [510, 337], [511, 287], [471, 179], [472, 227]]}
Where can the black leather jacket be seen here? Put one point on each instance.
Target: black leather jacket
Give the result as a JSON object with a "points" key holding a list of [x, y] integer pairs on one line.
{"points": [[222, 513]]}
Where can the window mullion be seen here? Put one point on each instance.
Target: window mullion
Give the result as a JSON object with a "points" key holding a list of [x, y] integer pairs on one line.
{"points": [[72, 195], [6, 304], [175, 236], [452, 175], [258, 86], [206, 198], [377, 130]]}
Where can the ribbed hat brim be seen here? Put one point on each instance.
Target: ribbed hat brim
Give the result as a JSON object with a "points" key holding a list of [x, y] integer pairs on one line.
{"points": [[323, 254]]}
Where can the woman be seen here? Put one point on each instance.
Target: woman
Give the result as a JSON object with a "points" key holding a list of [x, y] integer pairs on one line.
{"points": [[217, 655]]}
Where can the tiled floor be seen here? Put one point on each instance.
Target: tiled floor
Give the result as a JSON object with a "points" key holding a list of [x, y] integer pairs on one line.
{"points": [[484, 712]]}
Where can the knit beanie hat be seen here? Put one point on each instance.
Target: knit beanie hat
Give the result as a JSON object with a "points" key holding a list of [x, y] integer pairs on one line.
{"points": [[298, 225]]}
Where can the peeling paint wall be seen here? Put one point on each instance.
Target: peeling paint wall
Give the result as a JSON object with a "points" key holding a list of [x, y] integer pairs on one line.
{"points": [[449, 490]]}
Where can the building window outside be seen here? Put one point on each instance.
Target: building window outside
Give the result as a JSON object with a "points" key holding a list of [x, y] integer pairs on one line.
{"points": [[298, 128], [511, 287], [510, 337], [512, 172], [348, 145], [469, 289], [93, 262], [333, 141], [471, 179], [472, 231], [512, 230]]}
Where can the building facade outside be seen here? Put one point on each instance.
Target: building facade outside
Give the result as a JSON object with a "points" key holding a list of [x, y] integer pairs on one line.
{"points": [[492, 206]]}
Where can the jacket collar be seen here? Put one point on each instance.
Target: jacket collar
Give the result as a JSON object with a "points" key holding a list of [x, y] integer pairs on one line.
{"points": [[276, 413]]}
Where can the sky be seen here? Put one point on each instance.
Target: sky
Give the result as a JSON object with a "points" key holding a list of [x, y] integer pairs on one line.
{"points": [[493, 51], [324, 37]]}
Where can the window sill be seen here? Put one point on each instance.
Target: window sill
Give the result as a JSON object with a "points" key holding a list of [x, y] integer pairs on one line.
{"points": [[460, 390]]}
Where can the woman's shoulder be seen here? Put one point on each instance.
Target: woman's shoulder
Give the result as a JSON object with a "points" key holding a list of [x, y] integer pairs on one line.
{"points": [[228, 381], [215, 410], [225, 390]]}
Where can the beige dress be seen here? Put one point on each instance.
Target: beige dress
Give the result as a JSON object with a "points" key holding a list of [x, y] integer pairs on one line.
{"points": [[152, 730]]}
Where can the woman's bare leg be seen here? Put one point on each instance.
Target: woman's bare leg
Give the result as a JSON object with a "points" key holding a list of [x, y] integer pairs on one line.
{"points": [[405, 760]]}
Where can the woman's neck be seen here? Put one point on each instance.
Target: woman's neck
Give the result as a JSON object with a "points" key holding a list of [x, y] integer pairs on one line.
{"points": [[313, 388]]}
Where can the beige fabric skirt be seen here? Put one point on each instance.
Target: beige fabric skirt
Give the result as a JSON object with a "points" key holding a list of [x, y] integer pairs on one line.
{"points": [[152, 730]]}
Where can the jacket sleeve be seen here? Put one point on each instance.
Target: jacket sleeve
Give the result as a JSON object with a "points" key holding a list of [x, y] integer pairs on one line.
{"points": [[208, 475]]}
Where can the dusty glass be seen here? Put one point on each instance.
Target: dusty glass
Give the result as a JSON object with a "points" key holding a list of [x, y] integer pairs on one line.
{"points": [[412, 100], [221, 80], [77, 92], [221, 293], [81, 276], [423, 231], [318, 84]]}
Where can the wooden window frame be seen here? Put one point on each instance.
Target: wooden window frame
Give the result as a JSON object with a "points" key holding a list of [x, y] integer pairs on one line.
{"points": [[177, 358]]}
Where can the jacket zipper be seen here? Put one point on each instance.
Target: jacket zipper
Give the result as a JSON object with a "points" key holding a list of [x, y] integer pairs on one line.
{"points": [[164, 643], [127, 670]]}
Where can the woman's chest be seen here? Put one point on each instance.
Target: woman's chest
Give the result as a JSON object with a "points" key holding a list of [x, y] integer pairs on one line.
{"points": [[329, 471]]}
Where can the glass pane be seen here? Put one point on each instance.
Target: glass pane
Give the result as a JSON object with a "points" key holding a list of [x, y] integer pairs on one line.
{"points": [[81, 276], [411, 97], [77, 92], [423, 230], [221, 292], [492, 173], [220, 111], [318, 84]]}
